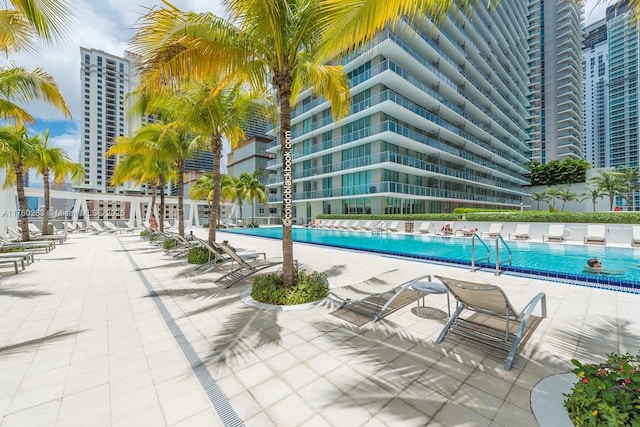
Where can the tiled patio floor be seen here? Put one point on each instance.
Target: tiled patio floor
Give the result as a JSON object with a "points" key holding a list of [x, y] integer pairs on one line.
{"points": [[108, 331]]}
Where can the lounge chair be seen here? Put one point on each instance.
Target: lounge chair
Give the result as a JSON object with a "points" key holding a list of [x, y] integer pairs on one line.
{"points": [[635, 237], [366, 225], [556, 233], [46, 245], [493, 325], [446, 229], [111, 227], [26, 255], [18, 236], [494, 231], [392, 226], [242, 268], [97, 228], [36, 233], [425, 227], [378, 296], [595, 234], [131, 227], [15, 260], [521, 233]]}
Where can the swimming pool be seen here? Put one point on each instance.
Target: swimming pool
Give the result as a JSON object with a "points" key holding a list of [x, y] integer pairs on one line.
{"points": [[563, 262]]}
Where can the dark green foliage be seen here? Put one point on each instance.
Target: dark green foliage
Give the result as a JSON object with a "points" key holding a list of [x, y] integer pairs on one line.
{"points": [[269, 288], [169, 244], [198, 255], [144, 233], [567, 171], [606, 394]]}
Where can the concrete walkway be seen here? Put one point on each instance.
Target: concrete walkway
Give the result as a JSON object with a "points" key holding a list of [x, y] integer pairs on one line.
{"points": [[110, 331]]}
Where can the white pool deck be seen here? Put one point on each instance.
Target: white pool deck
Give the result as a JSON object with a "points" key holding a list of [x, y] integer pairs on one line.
{"points": [[107, 331]]}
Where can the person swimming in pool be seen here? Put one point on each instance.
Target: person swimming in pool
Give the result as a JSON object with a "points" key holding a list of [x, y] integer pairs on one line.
{"points": [[594, 265]]}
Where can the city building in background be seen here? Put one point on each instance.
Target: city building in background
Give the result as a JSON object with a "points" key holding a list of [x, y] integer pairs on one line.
{"points": [[250, 156], [439, 119], [595, 81], [555, 79], [105, 80]]}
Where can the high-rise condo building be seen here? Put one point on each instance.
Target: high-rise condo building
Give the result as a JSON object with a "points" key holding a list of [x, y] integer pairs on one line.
{"points": [[105, 81], [439, 119], [595, 87], [555, 73], [623, 42]]}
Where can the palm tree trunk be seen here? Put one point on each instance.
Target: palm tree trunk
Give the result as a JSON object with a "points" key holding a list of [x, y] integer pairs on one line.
{"points": [[214, 214], [161, 210], [253, 214], [181, 198], [153, 200], [22, 201], [283, 82], [47, 201]]}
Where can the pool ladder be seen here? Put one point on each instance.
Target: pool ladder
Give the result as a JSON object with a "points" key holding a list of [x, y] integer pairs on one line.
{"points": [[499, 239], [379, 227]]}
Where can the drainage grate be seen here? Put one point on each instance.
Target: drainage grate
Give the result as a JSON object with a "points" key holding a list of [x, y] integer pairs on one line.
{"points": [[219, 401]]}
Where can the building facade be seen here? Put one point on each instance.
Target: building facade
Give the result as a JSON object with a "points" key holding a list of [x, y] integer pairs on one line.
{"points": [[622, 41], [555, 79], [249, 157], [595, 84], [438, 120], [105, 81]]}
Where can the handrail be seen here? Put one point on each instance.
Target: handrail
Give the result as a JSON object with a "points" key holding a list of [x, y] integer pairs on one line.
{"points": [[379, 227], [473, 250], [499, 237]]}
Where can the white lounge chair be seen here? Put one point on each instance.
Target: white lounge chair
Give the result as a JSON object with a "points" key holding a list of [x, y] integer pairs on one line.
{"points": [[494, 231], [111, 227], [392, 226], [521, 233], [556, 233], [635, 237], [595, 234], [425, 227], [366, 225], [242, 268]]}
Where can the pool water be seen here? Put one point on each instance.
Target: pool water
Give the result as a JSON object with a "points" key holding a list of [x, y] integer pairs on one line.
{"points": [[555, 260]]}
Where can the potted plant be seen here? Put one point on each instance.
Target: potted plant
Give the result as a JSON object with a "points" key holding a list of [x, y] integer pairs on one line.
{"points": [[606, 394], [308, 287]]}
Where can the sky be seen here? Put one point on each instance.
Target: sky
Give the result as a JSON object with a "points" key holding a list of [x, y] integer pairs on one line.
{"points": [[108, 25]]}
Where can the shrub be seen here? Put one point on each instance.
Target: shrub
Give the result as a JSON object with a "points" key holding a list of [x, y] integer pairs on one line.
{"points": [[169, 244], [606, 393], [198, 255], [144, 233], [307, 288]]}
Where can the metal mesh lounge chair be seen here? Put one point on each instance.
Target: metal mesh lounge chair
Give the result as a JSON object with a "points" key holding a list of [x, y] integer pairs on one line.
{"points": [[378, 296], [425, 227], [490, 322], [596, 233], [240, 268]]}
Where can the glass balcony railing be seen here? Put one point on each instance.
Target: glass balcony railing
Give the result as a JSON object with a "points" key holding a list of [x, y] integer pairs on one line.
{"points": [[390, 189]]}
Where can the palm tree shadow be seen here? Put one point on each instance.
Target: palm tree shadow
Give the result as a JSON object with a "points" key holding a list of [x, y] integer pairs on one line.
{"points": [[222, 297], [20, 293], [26, 346]]}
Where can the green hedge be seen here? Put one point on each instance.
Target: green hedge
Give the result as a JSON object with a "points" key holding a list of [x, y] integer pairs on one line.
{"points": [[198, 255], [508, 216]]}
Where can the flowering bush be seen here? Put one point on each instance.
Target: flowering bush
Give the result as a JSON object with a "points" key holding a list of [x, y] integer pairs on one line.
{"points": [[606, 394]]}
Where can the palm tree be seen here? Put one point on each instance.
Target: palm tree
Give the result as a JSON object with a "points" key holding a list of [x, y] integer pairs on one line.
{"points": [[253, 190], [215, 110], [56, 161], [228, 190], [554, 193], [17, 155], [630, 177], [592, 193], [566, 195], [282, 43], [27, 23], [538, 197], [610, 183]]}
